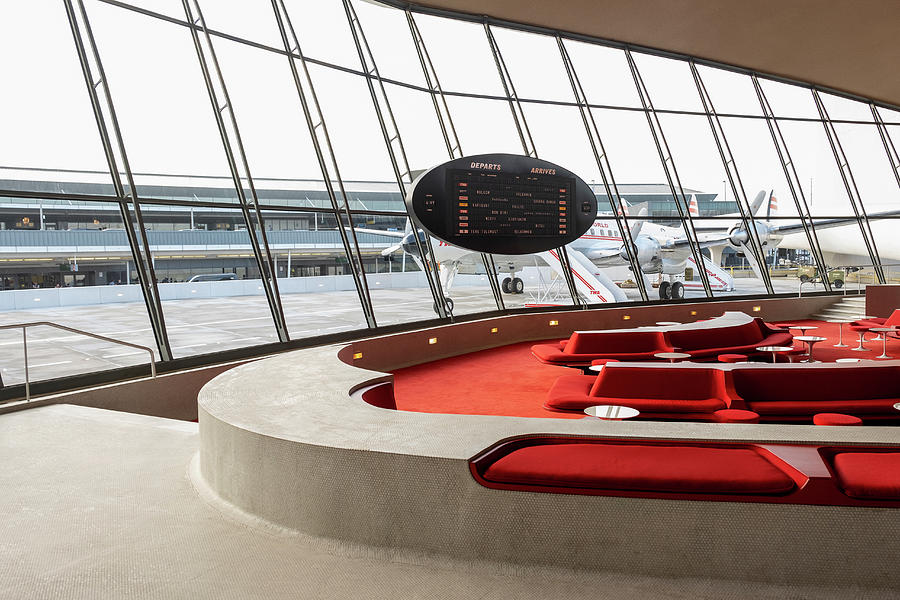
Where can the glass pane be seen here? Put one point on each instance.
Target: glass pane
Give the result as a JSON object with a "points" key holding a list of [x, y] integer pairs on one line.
{"points": [[323, 31], [390, 41], [789, 100], [46, 118], [629, 147], [419, 127], [535, 65], [604, 74], [669, 82], [314, 278], [817, 169], [559, 136], [845, 109], [165, 133], [73, 268], [484, 126], [731, 93], [269, 113], [209, 283], [352, 125], [252, 20], [461, 55], [877, 186]]}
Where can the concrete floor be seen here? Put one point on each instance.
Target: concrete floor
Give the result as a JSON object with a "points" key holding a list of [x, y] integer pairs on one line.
{"points": [[101, 504], [202, 326]]}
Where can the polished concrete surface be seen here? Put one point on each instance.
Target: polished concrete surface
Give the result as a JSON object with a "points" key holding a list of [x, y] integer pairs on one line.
{"points": [[208, 325], [102, 504]]}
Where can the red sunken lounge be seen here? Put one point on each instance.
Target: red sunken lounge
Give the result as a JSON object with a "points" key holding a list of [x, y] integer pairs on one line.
{"points": [[729, 334]]}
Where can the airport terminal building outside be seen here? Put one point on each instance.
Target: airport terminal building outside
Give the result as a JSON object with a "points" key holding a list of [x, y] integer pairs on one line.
{"points": [[264, 129]]}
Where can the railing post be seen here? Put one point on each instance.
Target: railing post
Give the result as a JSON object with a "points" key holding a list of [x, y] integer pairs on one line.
{"points": [[25, 351]]}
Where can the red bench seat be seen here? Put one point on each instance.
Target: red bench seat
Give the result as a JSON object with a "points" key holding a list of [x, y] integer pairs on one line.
{"points": [[647, 389], [871, 475], [658, 468], [810, 390]]}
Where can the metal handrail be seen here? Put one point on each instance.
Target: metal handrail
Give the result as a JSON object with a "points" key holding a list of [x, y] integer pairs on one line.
{"points": [[24, 327]]}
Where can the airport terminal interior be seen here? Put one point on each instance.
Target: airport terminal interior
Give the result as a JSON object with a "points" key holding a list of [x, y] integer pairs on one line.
{"points": [[449, 299]]}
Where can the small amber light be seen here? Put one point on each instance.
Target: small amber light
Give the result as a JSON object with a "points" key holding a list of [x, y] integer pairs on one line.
{"points": [[494, 330], [432, 340], [693, 313], [554, 323], [626, 317], [357, 355], [757, 308]]}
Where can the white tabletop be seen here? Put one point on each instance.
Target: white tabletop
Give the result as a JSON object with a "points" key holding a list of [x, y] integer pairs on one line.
{"points": [[672, 355], [774, 348], [810, 338], [611, 412]]}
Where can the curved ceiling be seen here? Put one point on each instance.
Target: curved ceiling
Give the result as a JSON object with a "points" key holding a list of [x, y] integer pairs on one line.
{"points": [[847, 46]]}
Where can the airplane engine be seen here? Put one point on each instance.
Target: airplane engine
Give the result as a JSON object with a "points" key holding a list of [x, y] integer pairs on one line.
{"points": [[738, 236], [409, 243], [647, 252]]}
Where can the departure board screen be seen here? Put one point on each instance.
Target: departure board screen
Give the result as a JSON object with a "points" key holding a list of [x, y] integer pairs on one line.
{"points": [[502, 204], [509, 204]]}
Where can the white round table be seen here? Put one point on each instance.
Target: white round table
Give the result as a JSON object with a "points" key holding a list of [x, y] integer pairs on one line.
{"points": [[672, 356], [611, 412]]}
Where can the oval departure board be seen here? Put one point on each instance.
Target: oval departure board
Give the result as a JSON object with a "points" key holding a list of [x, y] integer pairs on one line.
{"points": [[502, 204]]}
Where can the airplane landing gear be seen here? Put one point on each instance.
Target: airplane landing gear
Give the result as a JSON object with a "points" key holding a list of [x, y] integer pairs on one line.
{"points": [[671, 290], [664, 290], [512, 286], [448, 304]]}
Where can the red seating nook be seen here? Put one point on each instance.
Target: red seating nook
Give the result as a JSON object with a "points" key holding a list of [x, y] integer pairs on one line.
{"points": [[636, 344], [652, 390], [693, 470], [732, 358], [774, 393], [865, 324], [805, 390]]}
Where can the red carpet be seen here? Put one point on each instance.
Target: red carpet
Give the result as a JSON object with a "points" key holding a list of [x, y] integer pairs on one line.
{"points": [[509, 381]]}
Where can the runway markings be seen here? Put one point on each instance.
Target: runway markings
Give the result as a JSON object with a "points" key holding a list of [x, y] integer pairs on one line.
{"points": [[53, 364]]}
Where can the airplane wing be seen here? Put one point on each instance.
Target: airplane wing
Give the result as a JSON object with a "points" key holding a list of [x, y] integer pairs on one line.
{"points": [[393, 234]]}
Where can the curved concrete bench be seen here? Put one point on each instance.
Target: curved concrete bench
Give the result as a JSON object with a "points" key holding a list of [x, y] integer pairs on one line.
{"points": [[285, 439]]}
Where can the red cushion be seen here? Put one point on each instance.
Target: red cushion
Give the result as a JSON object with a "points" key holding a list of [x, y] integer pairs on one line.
{"points": [[716, 337], [735, 415], [615, 342], [570, 392], [603, 361], [878, 406], [661, 468], [869, 474], [836, 419], [732, 358], [892, 320]]}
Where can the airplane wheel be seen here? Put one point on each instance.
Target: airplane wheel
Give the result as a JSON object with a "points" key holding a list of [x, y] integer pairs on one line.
{"points": [[517, 286], [804, 278], [838, 283], [505, 286], [448, 303], [664, 290], [677, 291]]}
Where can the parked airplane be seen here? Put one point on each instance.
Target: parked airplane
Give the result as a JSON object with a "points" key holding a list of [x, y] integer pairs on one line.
{"points": [[660, 250]]}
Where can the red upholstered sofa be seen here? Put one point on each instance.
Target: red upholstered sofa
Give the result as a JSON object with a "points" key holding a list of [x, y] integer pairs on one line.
{"points": [[651, 390], [893, 320], [802, 392], [776, 393], [637, 344]]}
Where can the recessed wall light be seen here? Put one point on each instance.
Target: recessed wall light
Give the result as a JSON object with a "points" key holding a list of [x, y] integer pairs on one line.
{"points": [[626, 317], [757, 308], [693, 313], [494, 330], [357, 355], [554, 323], [432, 340]]}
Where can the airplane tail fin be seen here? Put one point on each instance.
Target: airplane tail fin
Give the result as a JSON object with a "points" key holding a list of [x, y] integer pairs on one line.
{"points": [[623, 207], [693, 210], [757, 202], [773, 205]]}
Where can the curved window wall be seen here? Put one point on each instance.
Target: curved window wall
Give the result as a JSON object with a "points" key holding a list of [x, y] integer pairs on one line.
{"points": [[198, 176]]}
